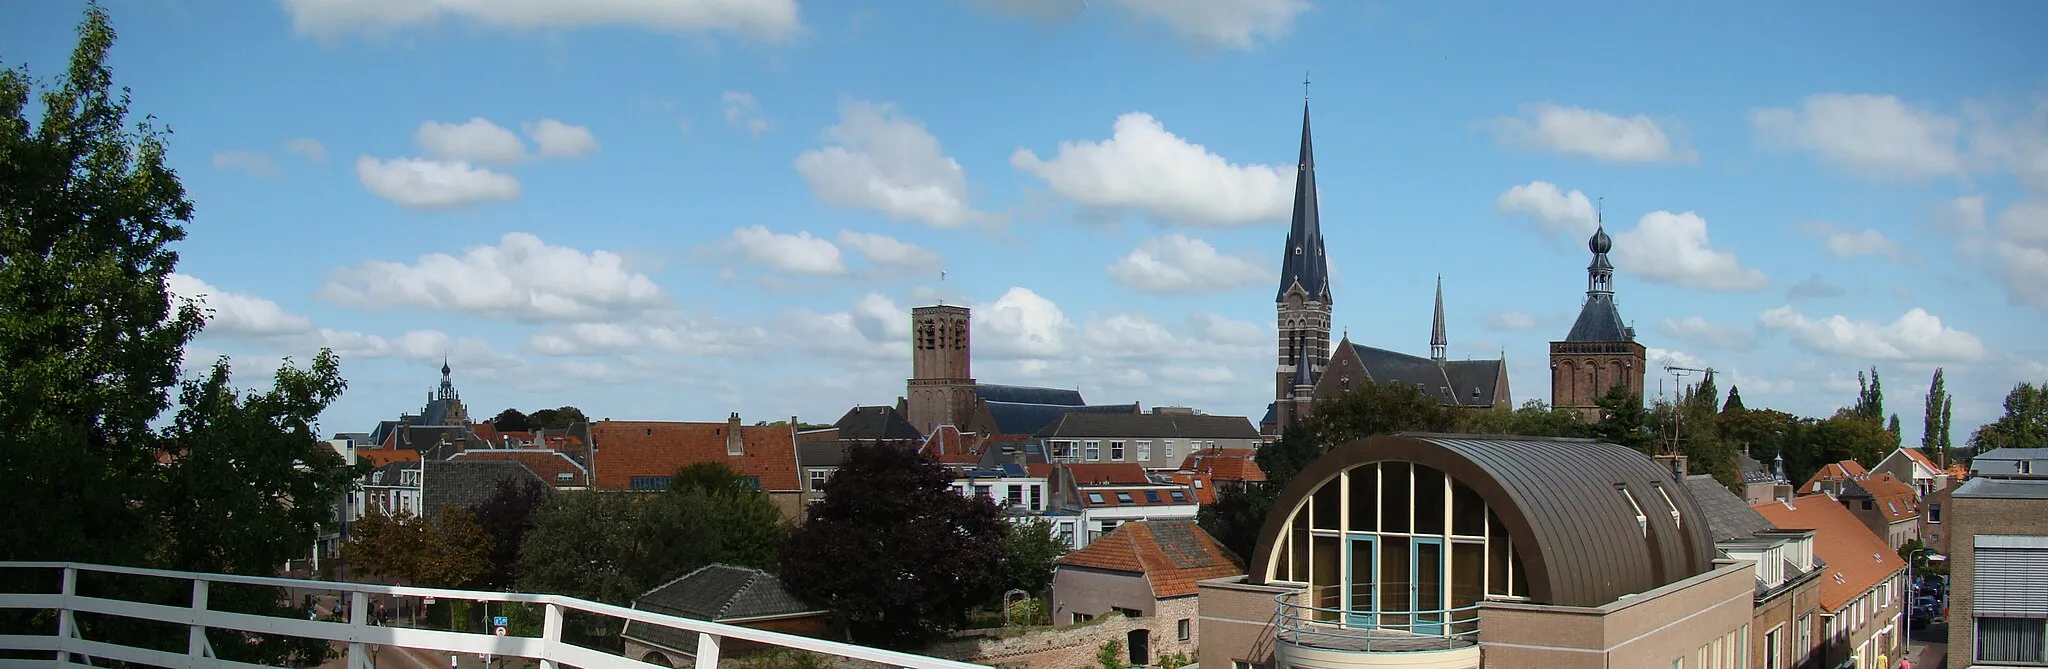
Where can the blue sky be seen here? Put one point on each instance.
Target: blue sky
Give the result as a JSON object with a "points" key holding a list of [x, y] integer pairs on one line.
{"points": [[676, 209]]}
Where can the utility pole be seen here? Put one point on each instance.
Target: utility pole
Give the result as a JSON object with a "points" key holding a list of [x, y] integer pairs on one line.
{"points": [[1678, 396]]}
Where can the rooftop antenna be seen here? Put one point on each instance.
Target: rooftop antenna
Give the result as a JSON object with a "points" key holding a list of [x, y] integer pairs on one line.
{"points": [[1678, 412]]}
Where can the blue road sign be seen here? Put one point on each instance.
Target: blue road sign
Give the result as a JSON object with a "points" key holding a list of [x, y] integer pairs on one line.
{"points": [[498, 621]]}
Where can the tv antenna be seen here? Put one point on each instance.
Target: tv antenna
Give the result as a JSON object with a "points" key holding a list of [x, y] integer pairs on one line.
{"points": [[1678, 396]]}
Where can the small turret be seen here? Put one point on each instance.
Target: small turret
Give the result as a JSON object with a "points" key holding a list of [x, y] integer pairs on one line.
{"points": [[1439, 343]]}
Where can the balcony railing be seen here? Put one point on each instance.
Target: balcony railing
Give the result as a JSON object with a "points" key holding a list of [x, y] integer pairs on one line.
{"points": [[359, 634], [1372, 624]]}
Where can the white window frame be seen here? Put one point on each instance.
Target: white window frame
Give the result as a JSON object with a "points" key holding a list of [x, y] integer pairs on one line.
{"points": [[1094, 451], [1116, 450], [1169, 450], [818, 477], [1144, 450]]}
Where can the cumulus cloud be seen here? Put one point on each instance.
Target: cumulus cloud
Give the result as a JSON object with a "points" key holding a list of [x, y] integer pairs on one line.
{"points": [[1699, 330], [434, 184], [1917, 336], [1178, 264], [520, 277], [1511, 321], [1021, 324], [236, 314], [671, 333], [1558, 214], [1230, 24], [742, 111], [1846, 243], [767, 19], [1877, 136], [246, 162], [2021, 251], [1596, 134], [476, 140], [556, 139], [1222, 330], [1673, 248], [880, 249], [887, 162], [799, 253], [1143, 168], [310, 149]]}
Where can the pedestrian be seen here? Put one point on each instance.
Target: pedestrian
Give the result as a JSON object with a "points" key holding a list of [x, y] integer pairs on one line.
{"points": [[1905, 663]]}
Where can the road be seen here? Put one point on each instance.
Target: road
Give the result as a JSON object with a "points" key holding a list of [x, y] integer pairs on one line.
{"points": [[1930, 646]]}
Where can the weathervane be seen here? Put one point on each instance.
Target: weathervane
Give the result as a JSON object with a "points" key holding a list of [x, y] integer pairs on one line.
{"points": [[1599, 209]]}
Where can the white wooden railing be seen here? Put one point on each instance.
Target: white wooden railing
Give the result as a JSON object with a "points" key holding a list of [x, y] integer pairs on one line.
{"points": [[66, 647]]}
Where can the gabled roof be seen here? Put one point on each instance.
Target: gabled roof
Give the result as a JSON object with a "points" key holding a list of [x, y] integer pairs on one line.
{"points": [[1921, 459], [551, 466], [464, 484], [872, 423], [1834, 473], [1172, 555], [1728, 518], [716, 593], [1450, 382], [1856, 558], [1888, 495], [1150, 425], [951, 446], [379, 457], [1014, 418], [1226, 464], [992, 392], [626, 449]]}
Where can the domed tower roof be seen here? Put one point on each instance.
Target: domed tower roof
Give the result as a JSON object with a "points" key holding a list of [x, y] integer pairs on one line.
{"points": [[1600, 244]]}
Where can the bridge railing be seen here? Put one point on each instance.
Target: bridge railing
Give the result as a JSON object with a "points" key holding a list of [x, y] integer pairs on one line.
{"points": [[358, 633]]}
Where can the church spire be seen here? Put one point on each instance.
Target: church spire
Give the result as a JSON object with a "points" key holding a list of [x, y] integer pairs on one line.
{"points": [[1599, 319], [1304, 264], [1438, 342]]}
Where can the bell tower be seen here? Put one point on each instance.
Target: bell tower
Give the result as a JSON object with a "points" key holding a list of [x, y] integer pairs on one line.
{"points": [[941, 386], [1303, 303], [1600, 351]]}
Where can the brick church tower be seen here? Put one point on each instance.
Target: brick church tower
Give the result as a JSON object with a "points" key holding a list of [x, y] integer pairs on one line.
{"points": [[1600, 351], [941, 386], [1304, 302]]}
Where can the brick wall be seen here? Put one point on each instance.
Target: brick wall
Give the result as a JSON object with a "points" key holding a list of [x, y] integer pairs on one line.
{"points": [[1969, 518], [1075, 646]]}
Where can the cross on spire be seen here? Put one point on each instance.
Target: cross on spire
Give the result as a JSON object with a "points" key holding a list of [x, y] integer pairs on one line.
{"points": [[1304, 85]]}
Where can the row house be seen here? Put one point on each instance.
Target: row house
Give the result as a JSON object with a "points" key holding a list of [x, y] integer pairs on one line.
{"points": [[644, 455], [1158, 440], [1785, 623], [1864, 584], [1094, 498], [1914, 468], [1881, 500], [555, 467]]}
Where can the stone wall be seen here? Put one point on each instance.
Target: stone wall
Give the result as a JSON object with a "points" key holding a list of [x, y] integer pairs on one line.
{"points": [[1074, 647]]}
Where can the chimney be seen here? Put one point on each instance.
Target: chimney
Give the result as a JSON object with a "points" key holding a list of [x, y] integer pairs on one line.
{"points": [[733, 444]]}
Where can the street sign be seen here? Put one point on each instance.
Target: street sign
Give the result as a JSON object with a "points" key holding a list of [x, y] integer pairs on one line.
{"points": [[499, 621], [500, 631], [430, 600]]}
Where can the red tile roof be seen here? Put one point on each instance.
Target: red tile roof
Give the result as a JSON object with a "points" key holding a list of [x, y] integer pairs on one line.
{"points": [[1856, 558], [548, 464], [626, 449], [1226, 464], [1921, 458], [379, 457], [1897, 500], [1171, 554], [1112, 497], [1100, 473], [1204, 487], [1834, 472], [953, 447]]}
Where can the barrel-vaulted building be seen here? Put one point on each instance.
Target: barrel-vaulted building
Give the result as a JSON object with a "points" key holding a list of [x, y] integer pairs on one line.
{"points": [[1453, 550]]}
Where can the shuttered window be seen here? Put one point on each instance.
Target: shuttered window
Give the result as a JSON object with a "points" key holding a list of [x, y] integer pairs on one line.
{"points": [[2010, 578]]}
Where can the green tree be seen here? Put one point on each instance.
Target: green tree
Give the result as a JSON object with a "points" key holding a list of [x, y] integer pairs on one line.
{"points": [[1623, 420], [1734, 400], [559, 418], [708, 477], [2024, 424], [1533, 419], [891, 548], [1028, 556], [1869, 397], [1110, 655], [91, 341], [1371, 409], [451, 554], [1850, 436], [613, 546], [511, 420]]}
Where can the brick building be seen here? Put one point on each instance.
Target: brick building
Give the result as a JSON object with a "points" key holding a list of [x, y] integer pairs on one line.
{"points": [[1601, 350], [1145, 570], [644, 455], [1863, 583], [1998, 588]]}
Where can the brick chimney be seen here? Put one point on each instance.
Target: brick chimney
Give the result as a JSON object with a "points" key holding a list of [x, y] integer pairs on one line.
{"points": [[733, 444]]}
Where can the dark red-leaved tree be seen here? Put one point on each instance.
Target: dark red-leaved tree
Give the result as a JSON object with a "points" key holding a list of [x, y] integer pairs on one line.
{"points": [[506, 516], [899, 555]]}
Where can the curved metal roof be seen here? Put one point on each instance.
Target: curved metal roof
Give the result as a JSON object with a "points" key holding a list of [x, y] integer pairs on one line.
{"points": [[1560, 500]]}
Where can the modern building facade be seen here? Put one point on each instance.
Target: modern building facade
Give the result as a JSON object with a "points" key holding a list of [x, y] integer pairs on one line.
{"points": [[1998, 588], [1462, 551]]}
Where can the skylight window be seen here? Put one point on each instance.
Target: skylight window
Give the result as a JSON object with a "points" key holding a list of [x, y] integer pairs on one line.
{"points": [[1094, 498], [1642, 521], [1179, 496], [1123, 498], [1152, 496], [1675, 518]]}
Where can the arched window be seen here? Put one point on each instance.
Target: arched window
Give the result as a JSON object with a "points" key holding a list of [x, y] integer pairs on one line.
{"points": [[1398, 546]]}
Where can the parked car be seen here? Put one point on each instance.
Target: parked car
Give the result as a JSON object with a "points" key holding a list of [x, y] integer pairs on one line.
{"points": [[1925, 610]]}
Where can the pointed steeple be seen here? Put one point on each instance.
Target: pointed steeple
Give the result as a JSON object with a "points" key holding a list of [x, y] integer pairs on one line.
{"points": [[1599, 320], [1302, 377], [1439, 343], [1304, 264]]}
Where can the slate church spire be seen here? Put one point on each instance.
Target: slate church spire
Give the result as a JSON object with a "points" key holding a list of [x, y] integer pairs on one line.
{"points": [[1303, 301], [1439, 343]]}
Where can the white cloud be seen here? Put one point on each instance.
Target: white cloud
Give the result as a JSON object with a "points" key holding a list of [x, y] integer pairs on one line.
{"points": [[880, 249], [433, 184], [1178, 264], [252, 164], [1877, 136], [887, 162], [1699, 330], [742, 111], [1222, 330], [2021, 250], [1127, 336], [2019, 145], [1144, 168], [1963, 215], [1673, 248], [1916, 336], [1559, 214], [1846, 243], [1602, 136], [520, 278], [1752, 385], [310, 148], [799, 253], [1814, 287], [754, 18], [476, 140], [1511, 321], [1234, 24], [236, 314], [556, 139], [1659, 358], [668, 332], [1020, 324]]}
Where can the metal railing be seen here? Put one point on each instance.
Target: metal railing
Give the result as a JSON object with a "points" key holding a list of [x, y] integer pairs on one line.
{"points": [[358, 632], [1364, 625]]}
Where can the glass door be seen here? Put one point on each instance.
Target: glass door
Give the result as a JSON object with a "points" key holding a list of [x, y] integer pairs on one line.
{"points": [[1359, 572], [1428, 586]]}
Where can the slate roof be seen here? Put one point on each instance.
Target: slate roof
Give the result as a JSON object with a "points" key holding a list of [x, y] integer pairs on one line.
{"points": [[1728, 517], [1152, 425], [1172, 555], [1600, 321], [870, 423], [1303, 262], [2006, 461], [820, 454], [992, 392], [716, 593], [1856, 558], [462, 484], [1019, 418], [1451, 382], [549, 465], [1753, 471]]}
